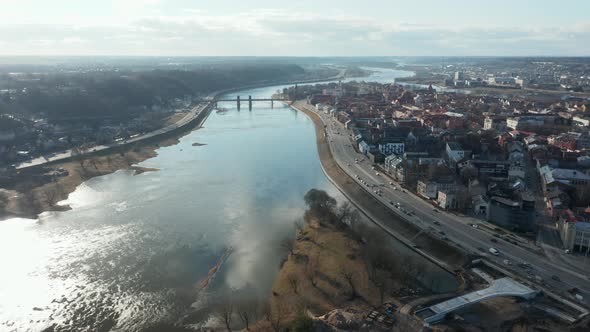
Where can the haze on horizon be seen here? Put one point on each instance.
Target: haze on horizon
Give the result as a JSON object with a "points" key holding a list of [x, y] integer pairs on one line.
{"points": [[295, 28]]}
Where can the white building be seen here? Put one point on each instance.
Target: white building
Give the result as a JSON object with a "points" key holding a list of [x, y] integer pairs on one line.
{"points": [[574, 234], [455, 152], [447, 200], [488, 123]]}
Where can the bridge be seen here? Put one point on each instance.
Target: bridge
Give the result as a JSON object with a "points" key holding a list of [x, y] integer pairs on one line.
{"points": [[499, 287], [238, 100]]}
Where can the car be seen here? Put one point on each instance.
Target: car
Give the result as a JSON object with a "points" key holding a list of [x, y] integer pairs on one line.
{"points": [[391, 183], [441, 232], [435, 210], [391, 202], [481, 249], [494, 251], [437, 223], [474, 226], [507, 262], [404, 191], [494, 240], [377, 173], [556, 278]]}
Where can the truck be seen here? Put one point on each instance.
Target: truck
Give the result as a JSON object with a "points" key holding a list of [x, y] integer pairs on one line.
{"points": [[494, 251]]}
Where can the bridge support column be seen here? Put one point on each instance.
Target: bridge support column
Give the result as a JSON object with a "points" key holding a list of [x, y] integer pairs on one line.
{"points": [[272, 103], [238, 100], [249, 103]]}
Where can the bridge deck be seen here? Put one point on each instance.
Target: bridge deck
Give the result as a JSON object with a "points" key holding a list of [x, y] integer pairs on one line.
{"points": [[253, 99]]}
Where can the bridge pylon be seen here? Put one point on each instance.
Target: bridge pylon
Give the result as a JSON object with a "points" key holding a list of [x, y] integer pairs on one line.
{"points": [[249, 103], [238, 101]]}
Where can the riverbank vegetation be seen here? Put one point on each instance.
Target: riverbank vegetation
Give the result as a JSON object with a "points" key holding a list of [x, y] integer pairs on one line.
{"points": [[333, 262], [41, 189]]}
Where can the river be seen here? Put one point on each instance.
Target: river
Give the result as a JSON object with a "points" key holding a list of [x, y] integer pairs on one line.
{"points": [[133, 248]]}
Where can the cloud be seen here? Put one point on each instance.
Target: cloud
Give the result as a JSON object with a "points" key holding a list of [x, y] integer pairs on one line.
{"points": [[280, 32]]}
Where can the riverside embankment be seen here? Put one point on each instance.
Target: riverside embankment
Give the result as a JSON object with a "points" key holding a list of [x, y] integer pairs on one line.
{"points": [[435, 250], [34, 193]]}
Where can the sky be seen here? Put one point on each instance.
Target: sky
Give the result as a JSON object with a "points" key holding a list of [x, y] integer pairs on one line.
{"points": [[295, 28]]}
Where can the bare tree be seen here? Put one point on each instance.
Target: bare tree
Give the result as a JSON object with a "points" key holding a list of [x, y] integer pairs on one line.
{"points": [[224, 310], [299, 226], [346, 215], [293, 282], [248, 311], [350, 277], [319, 201], [288, 244], [310, 269], [52, 194], [383, 283], [277, 316]]}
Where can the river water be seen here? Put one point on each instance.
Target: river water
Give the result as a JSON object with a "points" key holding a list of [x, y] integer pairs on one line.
{"points": [[132, 250]]}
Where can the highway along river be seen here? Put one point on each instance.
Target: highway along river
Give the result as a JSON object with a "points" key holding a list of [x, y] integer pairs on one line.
{"points": [[133, 249]]}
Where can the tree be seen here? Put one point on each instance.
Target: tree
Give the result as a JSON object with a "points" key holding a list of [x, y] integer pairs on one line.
{"points": [[346, 215], [319, 201], [288, 244], [350, 277], [302, 323], [277, 316], [310, 269], [224, 310], [293, 282], [248, 311], [383, 282]]}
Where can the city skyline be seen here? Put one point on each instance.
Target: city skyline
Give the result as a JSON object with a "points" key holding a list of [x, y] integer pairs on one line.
{"points": [[186, 28]]}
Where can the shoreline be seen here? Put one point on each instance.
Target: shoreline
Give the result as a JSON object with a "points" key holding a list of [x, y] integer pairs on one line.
{"points": [[30, 196], [435, 250], [35, 193]]}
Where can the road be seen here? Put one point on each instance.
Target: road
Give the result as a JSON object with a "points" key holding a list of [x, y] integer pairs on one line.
{"points": [[454, 228], [195, 111], [60, 156]]}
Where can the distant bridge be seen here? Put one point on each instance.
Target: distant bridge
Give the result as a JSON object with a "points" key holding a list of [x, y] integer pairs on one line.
{"points": [[499, 287], [238, 101]]}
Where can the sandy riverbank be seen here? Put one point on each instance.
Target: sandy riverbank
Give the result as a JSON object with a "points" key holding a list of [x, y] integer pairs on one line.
{"points": [[34, 191]]}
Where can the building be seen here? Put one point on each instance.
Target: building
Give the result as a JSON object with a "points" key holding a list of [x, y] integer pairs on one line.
{"points": [[513, 214], [488, 168], [447, 199], [392, 148], [528, 121], [427, 189], [364, 148], [488, 123], [480, 205], [430, 189], [575, 233], [459, 76], [581, 121], [560, 178], [455, 152]]}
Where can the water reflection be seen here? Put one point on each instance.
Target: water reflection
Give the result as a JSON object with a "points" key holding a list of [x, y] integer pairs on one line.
{"points": [[133, 249]]}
